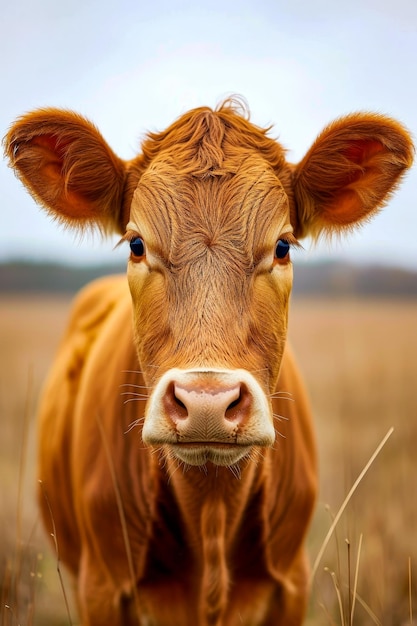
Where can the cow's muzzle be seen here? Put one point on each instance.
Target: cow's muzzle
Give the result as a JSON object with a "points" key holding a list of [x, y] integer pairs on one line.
{"points": [[208, 415]]}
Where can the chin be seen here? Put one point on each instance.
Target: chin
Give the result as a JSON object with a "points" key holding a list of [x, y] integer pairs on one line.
{"points": [[217, 454]]}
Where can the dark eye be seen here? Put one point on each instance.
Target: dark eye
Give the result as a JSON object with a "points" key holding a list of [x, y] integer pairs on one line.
{"points": [[137, 246], [282, 248]]}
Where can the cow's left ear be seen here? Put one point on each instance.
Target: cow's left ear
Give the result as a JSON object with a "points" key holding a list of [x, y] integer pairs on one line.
{"points": [[349, 172], [68, 168]]}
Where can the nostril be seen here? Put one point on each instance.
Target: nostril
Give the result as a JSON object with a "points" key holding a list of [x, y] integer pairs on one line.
{"points": [[233, 404], [180, 404], [174, 406], [239, 409]]}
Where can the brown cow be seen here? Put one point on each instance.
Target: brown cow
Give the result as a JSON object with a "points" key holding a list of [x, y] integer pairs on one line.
{"points": [[203, 523]]}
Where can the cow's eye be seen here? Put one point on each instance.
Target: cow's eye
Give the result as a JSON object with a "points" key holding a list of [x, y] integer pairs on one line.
{"points": [[137, 246], [282, 249]]}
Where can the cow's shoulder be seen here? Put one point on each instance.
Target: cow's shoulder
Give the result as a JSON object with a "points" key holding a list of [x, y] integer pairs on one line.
{"points": [[96, 301], [92, 307]]}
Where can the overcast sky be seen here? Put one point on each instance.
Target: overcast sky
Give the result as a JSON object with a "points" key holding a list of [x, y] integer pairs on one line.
{"points": [[133, 66]]}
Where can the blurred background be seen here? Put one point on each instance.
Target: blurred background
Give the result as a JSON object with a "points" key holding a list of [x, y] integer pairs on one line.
{"points": [[133, 67]]}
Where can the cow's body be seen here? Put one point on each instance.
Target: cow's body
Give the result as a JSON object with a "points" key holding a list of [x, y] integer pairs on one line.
{"points": [[176, 456], [201, 540]]}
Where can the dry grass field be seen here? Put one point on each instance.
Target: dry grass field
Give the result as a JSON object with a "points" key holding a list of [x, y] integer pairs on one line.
{"points": [[359, 360]]}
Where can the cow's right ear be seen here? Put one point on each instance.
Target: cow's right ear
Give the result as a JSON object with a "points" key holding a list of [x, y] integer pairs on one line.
{"points": [[68, 168]]}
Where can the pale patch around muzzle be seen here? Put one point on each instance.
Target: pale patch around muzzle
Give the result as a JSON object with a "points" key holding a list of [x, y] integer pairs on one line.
{"points": [[208, 415]]}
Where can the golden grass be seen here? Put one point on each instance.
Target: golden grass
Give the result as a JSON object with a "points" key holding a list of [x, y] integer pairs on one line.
{"points": [[359, 359], [30, 328], [360, 362]]}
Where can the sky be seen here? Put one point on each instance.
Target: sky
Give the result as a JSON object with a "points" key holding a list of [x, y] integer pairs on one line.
{"points": [[132, 66]]}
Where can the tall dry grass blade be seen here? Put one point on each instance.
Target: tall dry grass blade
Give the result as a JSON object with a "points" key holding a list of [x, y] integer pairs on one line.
{"points": [[338, 594], [336, 543], [58, 559], [355, 583], [346, 502], [410, 589], [121, 515], [349, 598]]}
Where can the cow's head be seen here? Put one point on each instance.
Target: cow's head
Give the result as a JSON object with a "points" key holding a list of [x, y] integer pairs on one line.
{"points": [[210, 209]]}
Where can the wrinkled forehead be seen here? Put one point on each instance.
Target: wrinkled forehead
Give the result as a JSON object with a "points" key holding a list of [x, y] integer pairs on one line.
{"points": [[249, 201]]}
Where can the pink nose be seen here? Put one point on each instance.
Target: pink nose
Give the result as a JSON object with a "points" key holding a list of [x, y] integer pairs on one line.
{"points": [[207, 410]]}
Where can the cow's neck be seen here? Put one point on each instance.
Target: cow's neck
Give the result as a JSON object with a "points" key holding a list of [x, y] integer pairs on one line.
{"points": [[218, 499], [214, 492]]}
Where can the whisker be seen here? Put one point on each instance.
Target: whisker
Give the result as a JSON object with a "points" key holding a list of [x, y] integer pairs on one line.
{"points": [[135, 400], [162, 457], [185, 467], [203, 468], [258, 455], [277, 432], [177, 465], [235, 470], [282, 395], [134, 385], [254, 456], [133, 425], [134, 393], [280, 418]]}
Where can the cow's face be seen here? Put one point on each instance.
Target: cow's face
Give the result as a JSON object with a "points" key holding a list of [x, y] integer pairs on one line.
{"points": [[210, 277], [209, 208]]}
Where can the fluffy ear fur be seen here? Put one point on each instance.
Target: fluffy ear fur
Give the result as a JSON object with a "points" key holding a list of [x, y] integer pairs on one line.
{"points": [[68, 168], [350, 172]]}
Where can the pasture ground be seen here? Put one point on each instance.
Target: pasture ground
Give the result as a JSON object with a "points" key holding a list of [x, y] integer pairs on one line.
{"points": [[359, 359]]}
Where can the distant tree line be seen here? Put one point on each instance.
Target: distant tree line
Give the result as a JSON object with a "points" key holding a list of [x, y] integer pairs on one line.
{"points": [[317, 279]]}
